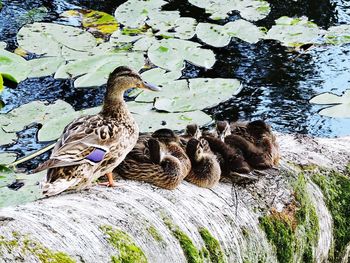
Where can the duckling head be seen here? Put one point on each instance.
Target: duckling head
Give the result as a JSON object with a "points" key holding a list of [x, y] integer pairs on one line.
{"points": [[194, 150], [222, 129], [259, 129], [154, 150], [165, 135], [124, 78], [192, 130]]}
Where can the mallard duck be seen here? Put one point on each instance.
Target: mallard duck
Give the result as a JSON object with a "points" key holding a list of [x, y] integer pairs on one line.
{"points": [[205, 171], [157, 159], [92, 146], [257, 143]]}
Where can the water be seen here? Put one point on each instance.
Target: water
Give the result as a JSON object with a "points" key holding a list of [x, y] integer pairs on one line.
{"points": [[277, 83]]}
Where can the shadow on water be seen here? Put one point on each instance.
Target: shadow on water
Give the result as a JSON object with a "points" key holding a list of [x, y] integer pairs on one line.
{"points": [[277, 84]]}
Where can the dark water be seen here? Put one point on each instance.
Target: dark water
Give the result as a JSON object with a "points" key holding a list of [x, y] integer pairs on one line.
{"points": [[277, 83]]}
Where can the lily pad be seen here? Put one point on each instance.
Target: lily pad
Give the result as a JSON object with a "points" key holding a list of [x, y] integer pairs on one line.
{"points": [[133, 13], [150, 120], [294, 32], [94, 71], [171, 53], [48, 39], [3, 45], [1, 83], [192, 94], [44, 66], [220, 36], [341, 108], [220, 9], [7, 157], [94, 21], [338, 35], [7, 137], [13, 67]]}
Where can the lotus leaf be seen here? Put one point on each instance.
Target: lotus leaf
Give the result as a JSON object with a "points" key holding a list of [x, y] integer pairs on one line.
{"points": [[150, 120], [192, 94], [341, 108], [93, 71], [7, 157], [171, 53], [220, 36], [220, 9], [294, 32], [13, 67], [48, 39], [93, 20], [133, 13], [338, 35]]}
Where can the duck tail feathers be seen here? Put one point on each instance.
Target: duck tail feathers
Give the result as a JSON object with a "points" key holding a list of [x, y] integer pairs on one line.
{"points": [[58, 186]]}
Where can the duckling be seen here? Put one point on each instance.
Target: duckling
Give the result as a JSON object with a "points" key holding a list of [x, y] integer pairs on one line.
{"points": [[191, 131], [92, 146], [257, 143], [158, 160], [222, 130], [205, 171]]}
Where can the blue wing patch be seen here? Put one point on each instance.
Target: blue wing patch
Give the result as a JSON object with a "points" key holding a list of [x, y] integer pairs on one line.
{"points": [[96, 155]]}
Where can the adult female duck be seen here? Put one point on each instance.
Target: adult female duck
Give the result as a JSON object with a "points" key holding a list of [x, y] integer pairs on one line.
{"points": [[92, 146]]}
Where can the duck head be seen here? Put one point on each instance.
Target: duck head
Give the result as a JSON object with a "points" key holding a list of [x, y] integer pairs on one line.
{"points": [[192, 131], [124, 78], [154, 150], [165, 135], [222, 129], [194, 150]]}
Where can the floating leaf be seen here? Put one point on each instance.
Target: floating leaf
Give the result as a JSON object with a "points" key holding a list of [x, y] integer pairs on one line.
{"points": [[93, 20], [341, 108], [220, 9], [6, 137], [220, 36], [150, 120], [338, 35], [94, 71], [294, 32], [7, 157], [177, 52], [48, 39], [13, 67], [44, 66], [3, 45], [192, 94], [133, 13]]}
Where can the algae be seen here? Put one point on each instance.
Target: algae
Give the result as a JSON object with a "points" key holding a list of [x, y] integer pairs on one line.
{"points": [[336, 190], [129, 252], [213, 246], [155, 234]]}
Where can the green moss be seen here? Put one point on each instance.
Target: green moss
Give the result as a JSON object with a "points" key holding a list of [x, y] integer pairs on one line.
{"points": [[191, 252], [213, 246], [336, 190], [129, 252], [154, 233], [27, 245], [280, 228]]}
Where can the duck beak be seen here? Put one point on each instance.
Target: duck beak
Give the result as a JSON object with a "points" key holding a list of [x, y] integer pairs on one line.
{"points": [[150, 86]]}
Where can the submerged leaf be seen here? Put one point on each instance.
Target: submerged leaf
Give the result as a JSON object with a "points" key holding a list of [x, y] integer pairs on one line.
{"points": [[338, 35]]}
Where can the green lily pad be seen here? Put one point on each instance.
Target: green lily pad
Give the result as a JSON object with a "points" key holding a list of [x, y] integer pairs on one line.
{"points": [[48, 39], [94, 21], [133, 13], [171, 53], [13, 67], [1, 83], [220, 9], [192, 94], [338, 35], [7, 157], [150, 120], [220, 36], [294, 32], [44, 66], [94, 71], [341, 108]]}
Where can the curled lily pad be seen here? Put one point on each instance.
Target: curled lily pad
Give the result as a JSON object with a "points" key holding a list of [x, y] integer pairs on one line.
{"points": [[13, 67], [133, 13], [94, 71], [220, 9], [150, 120], [48, 39], [94, 21], [192, 94], [171, 53], [220, 36], [338, 35], [294, 32], [341, 108]]}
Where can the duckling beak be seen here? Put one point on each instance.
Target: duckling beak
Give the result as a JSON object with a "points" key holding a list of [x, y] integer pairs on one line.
{"points": [[150, 86]]}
